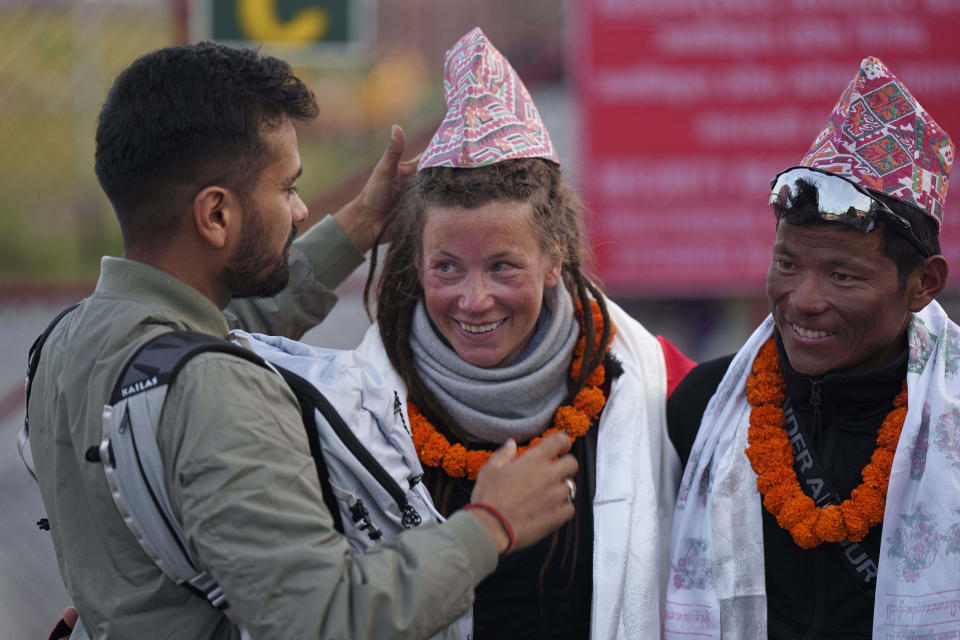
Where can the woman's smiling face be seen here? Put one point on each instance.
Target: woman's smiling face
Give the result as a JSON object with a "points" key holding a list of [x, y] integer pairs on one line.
{"points": [[483, 274]]}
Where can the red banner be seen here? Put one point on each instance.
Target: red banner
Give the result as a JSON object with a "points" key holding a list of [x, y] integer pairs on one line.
{"points": [[690, 107]]}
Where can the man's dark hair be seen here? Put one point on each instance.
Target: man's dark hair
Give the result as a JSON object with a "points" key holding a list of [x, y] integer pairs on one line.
{"points": [[802, 210], [183, 118]]}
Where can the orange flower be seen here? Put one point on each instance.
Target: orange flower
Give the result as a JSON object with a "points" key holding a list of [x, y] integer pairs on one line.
{"points": [[887, 438], [803, 533], [768, 480], [794, 510], [765, 415], [764, 432], [895, 417], [871, 503], [775, 498], [774, 478], [420, 430], [574, 420], [804, 536], [829, 524], [455, 462], [771, 457], [883, 458], [590, 400], [766, 358], [855, 522], [760, 394], [876, 477], [434, 450]]}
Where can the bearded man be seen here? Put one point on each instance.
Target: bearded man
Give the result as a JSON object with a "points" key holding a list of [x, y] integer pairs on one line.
{"points": [[821, 491]]}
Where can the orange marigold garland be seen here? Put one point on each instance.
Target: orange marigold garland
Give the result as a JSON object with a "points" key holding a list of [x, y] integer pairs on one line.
{"points": [[771, 457], [457, 461]]}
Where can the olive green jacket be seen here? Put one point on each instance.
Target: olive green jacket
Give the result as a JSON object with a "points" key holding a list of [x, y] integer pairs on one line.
{"points": [[238, 472]]}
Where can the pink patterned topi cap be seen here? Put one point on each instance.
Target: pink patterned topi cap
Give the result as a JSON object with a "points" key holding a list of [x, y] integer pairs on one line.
{"points": [[490, 115]]}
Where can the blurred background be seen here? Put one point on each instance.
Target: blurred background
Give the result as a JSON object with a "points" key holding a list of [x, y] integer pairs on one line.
{"points": [[670, 116]]}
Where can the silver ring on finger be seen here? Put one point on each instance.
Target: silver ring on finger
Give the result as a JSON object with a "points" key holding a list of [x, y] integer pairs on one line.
{"points": [[571, 490]]}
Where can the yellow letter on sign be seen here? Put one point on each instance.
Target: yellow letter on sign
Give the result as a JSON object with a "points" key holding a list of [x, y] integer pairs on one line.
{"points": [[259, 21]]}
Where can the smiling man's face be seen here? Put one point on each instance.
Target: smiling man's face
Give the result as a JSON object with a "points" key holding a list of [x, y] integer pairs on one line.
{"points": [[835, 298]]}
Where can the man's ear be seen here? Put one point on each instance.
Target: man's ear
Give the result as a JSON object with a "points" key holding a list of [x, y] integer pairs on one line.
{"points": [[216, 215], [926, 282]]}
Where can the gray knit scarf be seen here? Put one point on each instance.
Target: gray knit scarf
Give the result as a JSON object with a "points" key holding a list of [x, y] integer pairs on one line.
{"points": [[494, 404]]}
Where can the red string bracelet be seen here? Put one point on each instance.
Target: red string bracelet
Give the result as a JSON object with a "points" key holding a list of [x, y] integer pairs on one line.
{"points": [[511, 538]]}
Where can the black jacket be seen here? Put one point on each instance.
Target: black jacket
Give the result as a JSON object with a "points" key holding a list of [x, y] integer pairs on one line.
{"points": [[810, 593]]}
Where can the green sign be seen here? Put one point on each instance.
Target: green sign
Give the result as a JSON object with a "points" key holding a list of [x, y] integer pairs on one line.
{"points": [[304, 22]]}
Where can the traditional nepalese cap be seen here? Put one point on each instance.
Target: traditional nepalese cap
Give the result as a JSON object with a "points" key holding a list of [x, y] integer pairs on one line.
{"points": [[879, 137], [490, 115]]}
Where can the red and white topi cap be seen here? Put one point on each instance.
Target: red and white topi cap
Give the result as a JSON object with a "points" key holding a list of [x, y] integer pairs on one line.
{"points": [[879, 137]]}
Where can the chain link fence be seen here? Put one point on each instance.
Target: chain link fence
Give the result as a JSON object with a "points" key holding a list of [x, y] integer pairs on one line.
{"points": [[56, 64]]}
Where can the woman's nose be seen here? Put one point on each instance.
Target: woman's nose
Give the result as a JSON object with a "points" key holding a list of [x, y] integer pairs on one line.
{"points": [[476, 296]]}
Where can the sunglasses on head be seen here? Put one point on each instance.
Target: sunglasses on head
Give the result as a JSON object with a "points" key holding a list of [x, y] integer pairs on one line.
{"points": [[839, 201]]}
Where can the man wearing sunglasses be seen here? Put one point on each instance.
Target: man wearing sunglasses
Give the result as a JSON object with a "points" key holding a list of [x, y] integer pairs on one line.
{"points": [[821, 490]]}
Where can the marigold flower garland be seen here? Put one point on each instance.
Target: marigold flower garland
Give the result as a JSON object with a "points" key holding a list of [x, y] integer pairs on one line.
{"points": [[457, 461], [771, 457]]}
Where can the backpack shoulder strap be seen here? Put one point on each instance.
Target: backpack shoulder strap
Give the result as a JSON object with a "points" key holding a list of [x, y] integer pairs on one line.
{"points": [[131, 457], [33, 361], [160, 360], [308, 404], [33, 356]]}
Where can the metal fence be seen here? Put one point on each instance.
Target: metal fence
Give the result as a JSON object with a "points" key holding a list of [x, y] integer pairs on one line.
{"points": [[57, 61]]}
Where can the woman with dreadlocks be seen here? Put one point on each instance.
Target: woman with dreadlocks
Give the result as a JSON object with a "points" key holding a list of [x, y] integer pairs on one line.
{"points": [[490, 330]]}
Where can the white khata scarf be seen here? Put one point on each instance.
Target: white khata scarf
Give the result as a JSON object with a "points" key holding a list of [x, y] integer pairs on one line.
{"points": [[716, 547]]}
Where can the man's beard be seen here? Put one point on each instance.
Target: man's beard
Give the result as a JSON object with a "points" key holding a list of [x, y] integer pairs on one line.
{"points": [[253, 271]]}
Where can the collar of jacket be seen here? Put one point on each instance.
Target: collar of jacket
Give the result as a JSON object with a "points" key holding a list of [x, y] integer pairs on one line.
{"points": [[131, 280], [846, 395]]}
